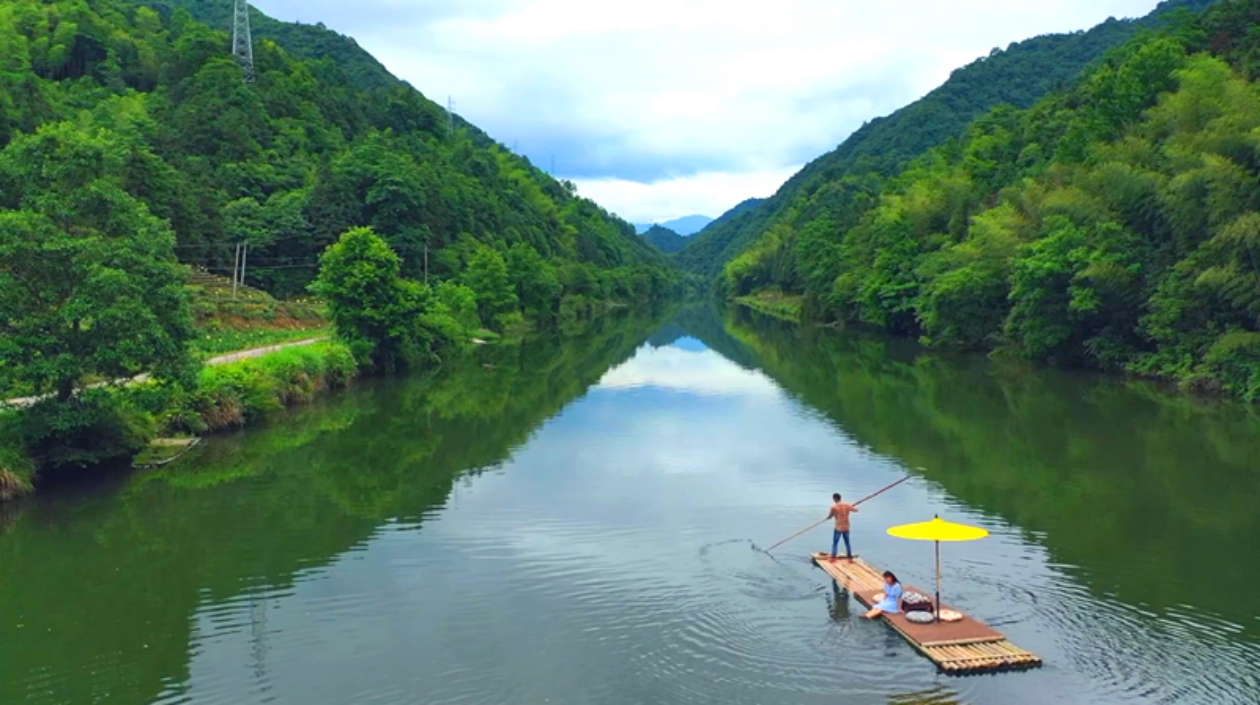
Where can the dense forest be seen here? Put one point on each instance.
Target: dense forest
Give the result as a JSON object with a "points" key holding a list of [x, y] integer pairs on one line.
{"points": [[827, 187], [664, 239], [315, 147], [132, 146], [1114, 225]]}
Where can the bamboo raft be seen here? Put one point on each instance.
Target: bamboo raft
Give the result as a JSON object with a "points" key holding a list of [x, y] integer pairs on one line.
{"points": [[957, 648]]}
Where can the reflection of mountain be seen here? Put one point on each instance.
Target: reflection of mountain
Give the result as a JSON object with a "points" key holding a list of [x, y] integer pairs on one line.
{"points": [[1150, 497], [666, 336], [114, 580]]}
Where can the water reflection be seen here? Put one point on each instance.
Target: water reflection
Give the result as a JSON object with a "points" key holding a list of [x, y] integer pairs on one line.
{"points": [[580, 521]]}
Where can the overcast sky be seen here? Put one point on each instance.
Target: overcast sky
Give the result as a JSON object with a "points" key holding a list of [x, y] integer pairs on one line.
{"points": [[665, 108]]}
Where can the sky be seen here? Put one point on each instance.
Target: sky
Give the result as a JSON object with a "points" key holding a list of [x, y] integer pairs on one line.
{"points": [[659, 109]]}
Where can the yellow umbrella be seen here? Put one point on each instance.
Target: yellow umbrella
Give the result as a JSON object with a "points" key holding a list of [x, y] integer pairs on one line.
{"points": [[938, 530]]}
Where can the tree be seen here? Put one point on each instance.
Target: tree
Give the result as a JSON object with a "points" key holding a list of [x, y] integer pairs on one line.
{"points": [[89, 283], [381, 315], [537, 286], [488, 276]]}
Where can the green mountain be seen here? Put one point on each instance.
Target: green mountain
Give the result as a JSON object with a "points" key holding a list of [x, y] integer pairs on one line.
{"points": [[1018, 76], [664, 239], [323, 141], [1113, 225], [707, 246]]}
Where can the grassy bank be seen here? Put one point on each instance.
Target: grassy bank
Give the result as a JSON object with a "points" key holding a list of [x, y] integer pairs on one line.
{"points": [[223, 342], [229, 396], [125, 421], [776, 304]]}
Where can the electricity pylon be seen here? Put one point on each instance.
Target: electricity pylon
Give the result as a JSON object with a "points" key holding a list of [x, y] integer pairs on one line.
{"points": [[242, 40]]}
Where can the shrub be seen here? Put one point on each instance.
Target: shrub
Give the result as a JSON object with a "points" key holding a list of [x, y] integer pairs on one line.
{"points": [[228, 396], [1234, 362], [17, 472], [91, 428]]}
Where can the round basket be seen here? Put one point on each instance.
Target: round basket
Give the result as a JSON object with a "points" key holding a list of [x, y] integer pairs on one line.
{"points": [[920, 617], [951, 616]]}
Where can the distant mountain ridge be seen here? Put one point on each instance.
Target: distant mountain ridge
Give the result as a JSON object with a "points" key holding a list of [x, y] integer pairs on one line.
{"points": [[664, 239], [686, 226]]}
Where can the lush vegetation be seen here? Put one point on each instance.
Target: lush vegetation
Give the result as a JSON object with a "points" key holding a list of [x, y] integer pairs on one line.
{"points": [[229, 341], [131, 147], [664, 239], [839, 183], [1115, 225], [290, 162]]}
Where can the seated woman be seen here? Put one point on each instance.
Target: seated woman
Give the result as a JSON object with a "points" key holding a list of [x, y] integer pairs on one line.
{"points": [[891, 604]]}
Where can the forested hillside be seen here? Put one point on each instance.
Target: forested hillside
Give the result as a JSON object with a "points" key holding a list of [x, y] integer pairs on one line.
{"points": [[315, 147], [131, 146], [664, 239], [838, 184], [1113, 225]]}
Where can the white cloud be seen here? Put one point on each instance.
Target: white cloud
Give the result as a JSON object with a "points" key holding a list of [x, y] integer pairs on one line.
{"points": [[692, 97], [677, 197], [679, 370]]}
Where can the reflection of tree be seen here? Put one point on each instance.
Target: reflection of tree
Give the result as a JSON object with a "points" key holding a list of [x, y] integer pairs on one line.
{"points": [[1126, 482], [118, 578]]}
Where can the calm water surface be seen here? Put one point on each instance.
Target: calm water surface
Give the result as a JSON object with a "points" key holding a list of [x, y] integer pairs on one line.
{"points": [[577, 522]]}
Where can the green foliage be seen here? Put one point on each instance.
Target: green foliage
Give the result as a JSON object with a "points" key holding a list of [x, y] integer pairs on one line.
{"points": [[487, 275], [1234, 360], [88, 429], [1112, 225], [89, 284], [228, 396], [385, 318], [838, 185], [230, 341], [538, 287], [460, 303], [324, 141], [664, 239], [17, 471]]}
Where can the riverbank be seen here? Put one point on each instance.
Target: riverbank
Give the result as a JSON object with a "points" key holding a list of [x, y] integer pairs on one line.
{"points": [[1229, 371], [231, 391], [785, 307]]}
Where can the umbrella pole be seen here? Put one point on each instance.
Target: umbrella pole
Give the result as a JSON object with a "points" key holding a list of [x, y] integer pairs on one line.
{"points": [[938, 581]]}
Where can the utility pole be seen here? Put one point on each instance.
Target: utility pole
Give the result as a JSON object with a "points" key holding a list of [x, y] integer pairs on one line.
{"points": [[236, 266], [242, 39], [244, 260]]}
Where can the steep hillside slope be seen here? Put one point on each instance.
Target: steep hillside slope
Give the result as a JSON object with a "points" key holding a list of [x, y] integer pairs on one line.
{"points": [[1018, 76], [314, 147], [1114, 225]]}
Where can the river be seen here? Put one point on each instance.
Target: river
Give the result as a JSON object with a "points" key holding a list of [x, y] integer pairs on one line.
{"points": [[578, 522]]}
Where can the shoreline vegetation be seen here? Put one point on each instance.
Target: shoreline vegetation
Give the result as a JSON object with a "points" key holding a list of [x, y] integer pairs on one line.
{"points": [[138, 166], [381, 324], [775, 304], [1112, 225]]}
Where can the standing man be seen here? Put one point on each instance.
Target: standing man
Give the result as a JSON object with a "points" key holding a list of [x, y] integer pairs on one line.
{"points": [[840, 512]]}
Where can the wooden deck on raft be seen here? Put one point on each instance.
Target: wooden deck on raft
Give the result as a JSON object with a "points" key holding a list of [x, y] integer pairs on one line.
{"points": [[957, 648]]}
